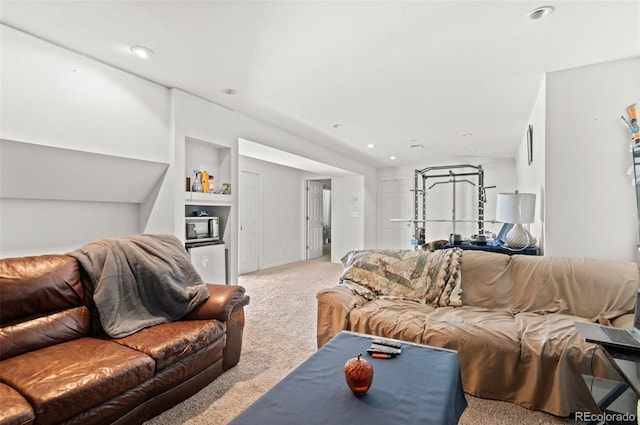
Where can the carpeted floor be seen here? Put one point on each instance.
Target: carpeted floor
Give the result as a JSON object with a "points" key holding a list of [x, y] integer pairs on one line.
{"points": [[279, 334]]}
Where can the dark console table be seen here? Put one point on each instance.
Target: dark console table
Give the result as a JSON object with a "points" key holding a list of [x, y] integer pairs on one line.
{"points": [[494, 247]]}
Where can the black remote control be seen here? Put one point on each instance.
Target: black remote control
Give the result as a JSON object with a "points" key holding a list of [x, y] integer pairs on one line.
{"points": [[387, 343], [375, 348], [382, 350]]}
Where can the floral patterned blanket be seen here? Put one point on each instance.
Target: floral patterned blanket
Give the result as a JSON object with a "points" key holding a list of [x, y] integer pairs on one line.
{"points": [[425, 277]]}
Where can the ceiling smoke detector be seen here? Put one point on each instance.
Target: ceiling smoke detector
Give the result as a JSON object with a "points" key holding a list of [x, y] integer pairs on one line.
{"points": [[230, 92], [539, 13]]}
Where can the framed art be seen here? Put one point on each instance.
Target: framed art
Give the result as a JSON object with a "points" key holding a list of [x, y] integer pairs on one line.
{"points": [[530, 144]]}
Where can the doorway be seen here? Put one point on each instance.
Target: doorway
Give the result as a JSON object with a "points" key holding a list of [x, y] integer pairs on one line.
{"points": [[318, 219]]}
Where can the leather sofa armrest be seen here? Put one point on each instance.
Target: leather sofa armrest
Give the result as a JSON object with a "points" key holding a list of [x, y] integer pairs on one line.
{"points": [[334, 306], [223, 299], [226, 304]]}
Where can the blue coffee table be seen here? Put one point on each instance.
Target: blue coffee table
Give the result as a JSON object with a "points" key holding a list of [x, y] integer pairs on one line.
{"points": [[420, 386]]}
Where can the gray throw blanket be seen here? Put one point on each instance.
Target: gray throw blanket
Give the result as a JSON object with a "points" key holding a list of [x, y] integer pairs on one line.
{"points": [[140, 281]]}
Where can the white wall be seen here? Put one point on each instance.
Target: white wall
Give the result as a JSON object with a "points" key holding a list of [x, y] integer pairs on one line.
{"points": [[590, 204], [281, 211], [531, 177], [497, 172], [54, 97], [33, 227], [259, 132], [199, 119], [347, 215], [196, 118]]}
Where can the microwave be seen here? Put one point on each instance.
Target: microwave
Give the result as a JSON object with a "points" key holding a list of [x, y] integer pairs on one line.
{"points": [[202, 229]]}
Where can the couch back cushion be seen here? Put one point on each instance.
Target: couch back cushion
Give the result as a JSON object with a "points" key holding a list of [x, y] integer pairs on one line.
{"points": [[599, 290], [41, 303], [486, 279]]}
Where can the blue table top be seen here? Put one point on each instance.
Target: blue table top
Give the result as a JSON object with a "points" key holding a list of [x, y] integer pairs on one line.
{"points": [[420, 386]]}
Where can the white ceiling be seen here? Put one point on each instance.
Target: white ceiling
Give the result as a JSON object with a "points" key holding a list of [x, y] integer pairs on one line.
{"points": [[393, 73]]}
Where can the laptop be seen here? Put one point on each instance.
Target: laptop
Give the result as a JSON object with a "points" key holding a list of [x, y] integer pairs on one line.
{"points": [[621, 339]]}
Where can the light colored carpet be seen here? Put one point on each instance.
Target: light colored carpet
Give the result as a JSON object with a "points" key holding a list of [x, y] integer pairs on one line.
{"points": [[280, 333]]}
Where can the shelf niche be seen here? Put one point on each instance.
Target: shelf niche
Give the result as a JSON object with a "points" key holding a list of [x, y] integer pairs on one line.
{"points": [[216, 161], [32, 171], [212, 158]]}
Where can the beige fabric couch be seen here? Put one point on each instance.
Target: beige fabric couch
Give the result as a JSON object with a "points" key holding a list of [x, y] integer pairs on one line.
{"points": [[515, 332]]}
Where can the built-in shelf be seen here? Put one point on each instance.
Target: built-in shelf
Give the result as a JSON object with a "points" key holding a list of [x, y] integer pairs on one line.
{"points": [[32, 171], [199, 198], [216, 161]]}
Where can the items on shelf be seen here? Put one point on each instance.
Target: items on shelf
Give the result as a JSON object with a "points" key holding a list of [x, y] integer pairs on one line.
{"points": [[205, 181], [197, 183], [632, 123], [200, 213]]}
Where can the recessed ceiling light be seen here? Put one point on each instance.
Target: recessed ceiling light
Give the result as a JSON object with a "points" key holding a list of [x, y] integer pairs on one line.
{"points": [[371, 146], [392, 157], [539, 13], [142, 51], [467, 134], [337, 125]]}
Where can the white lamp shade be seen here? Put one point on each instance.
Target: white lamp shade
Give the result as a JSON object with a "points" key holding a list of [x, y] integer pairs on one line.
{"points": [[517, 208]]}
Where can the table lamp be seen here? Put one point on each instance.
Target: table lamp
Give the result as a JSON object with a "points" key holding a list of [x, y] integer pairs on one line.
{"points": [[517, 208]]}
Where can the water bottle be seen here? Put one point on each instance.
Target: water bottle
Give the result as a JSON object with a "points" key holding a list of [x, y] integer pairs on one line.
{"points": [[197, 184]]}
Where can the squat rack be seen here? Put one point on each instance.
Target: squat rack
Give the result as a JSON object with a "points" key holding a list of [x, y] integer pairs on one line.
{"points": [[466, 170]]}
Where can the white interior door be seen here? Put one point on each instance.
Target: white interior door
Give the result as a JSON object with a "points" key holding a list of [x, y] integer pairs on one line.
{"points": [[249, 213], [314, 219], [395, 201]]}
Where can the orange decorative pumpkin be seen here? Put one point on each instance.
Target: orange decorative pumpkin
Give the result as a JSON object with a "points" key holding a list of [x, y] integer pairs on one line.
{"points": [[359, 374]]}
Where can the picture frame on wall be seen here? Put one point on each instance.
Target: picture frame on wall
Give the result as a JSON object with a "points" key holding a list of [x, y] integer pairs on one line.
{"points": [[530, 144]]}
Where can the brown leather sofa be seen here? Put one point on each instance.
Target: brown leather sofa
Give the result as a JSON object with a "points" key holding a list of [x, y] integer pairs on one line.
{"points": [[515, 331], [58, 367]]}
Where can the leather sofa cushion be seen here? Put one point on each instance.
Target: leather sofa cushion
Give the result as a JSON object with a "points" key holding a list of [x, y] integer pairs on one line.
{"points": [[35, 286], [171, 342], [65, 379], [44, 331], [14, 409]]}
